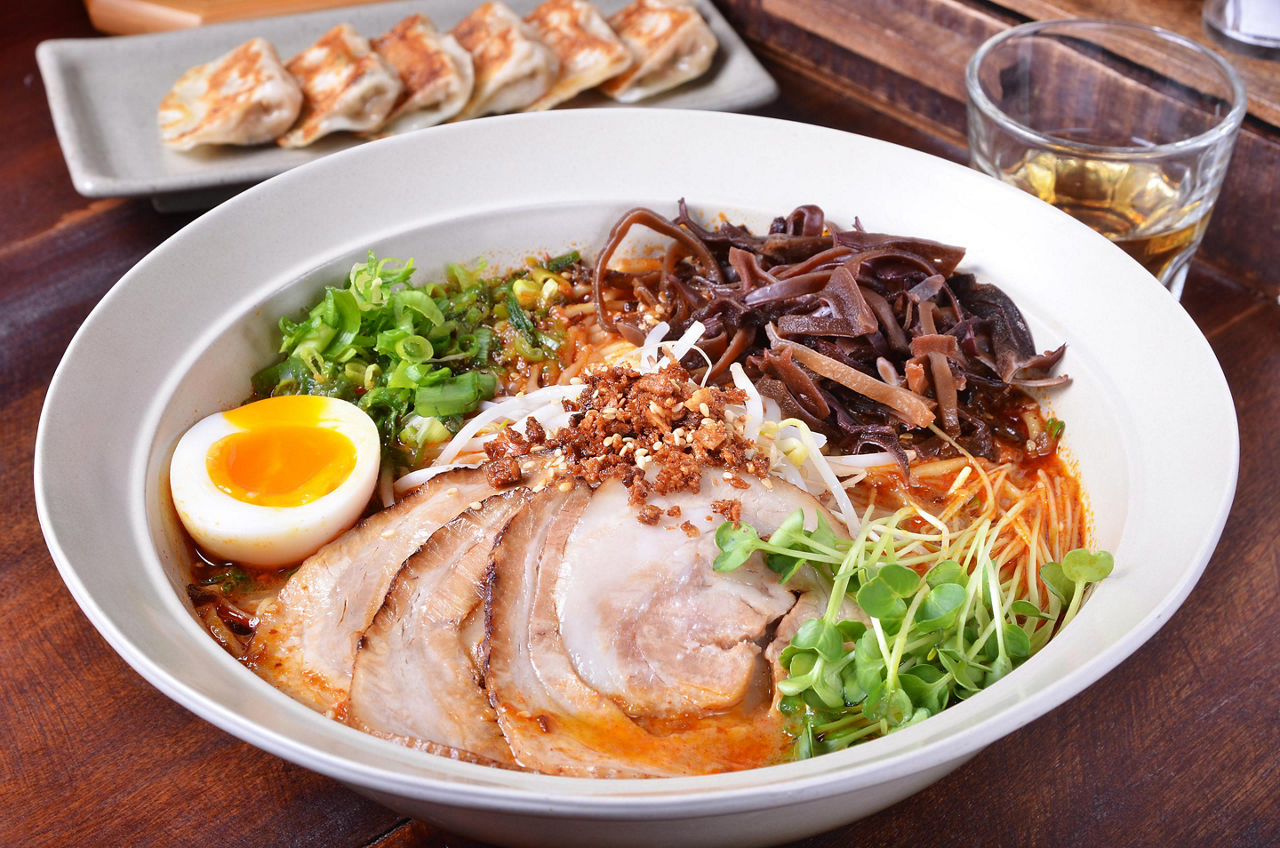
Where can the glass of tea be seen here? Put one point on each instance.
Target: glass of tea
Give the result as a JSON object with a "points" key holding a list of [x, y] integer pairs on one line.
{"points": [[1126, 127]]}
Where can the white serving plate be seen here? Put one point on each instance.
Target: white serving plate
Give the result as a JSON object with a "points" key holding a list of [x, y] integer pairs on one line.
{"points": [[178, 336], [104, 93]]}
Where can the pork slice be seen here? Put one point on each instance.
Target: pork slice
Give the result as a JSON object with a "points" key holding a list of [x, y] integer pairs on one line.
{"points": [[658, 630], [553, 720], [530, 698], [415, 679], [305, 642]]}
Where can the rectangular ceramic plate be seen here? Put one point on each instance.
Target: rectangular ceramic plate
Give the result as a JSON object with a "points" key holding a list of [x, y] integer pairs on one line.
{"points": [[104, 92]]}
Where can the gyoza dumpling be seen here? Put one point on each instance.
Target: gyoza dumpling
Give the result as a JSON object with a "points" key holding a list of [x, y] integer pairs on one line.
{"points": [[513, 68], [345, 86], [243, 97], [435, 71], [670, 43], [587, 48]]}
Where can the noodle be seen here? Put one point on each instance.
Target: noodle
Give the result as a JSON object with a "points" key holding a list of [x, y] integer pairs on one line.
{"points": [[827, 356]]}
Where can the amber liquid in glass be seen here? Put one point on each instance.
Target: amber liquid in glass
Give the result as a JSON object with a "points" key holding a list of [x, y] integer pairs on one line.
{"points": [[1135, 205]]}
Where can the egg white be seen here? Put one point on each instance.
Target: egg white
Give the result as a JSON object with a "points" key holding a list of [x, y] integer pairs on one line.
{"points": [[270, 536]]}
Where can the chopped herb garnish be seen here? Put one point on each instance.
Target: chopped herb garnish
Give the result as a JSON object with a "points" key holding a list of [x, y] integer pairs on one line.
{"points": [[562, 262], [228, 578], [416, 358]]}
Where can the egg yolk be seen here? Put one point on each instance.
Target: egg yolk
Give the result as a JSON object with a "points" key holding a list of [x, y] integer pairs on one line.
{"points": [[282, 456]]}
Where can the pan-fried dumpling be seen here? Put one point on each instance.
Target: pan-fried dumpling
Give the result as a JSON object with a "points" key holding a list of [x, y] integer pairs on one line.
{"points": [[243, 97], [670, 42], [436, 73], [588, 50], [345, 86], [513, 68]]}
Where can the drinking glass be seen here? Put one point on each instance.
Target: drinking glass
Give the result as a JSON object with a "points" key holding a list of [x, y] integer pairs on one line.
{"points": [[1126, 127]]}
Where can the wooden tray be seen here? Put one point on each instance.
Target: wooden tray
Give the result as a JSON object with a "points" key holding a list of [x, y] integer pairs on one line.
{"points": [[128, 17]]}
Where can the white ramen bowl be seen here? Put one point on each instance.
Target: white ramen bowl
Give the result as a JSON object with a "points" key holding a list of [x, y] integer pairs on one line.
{"points": [[504, 188]]}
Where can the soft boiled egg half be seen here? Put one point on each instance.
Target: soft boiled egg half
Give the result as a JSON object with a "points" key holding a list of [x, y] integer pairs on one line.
{"points": [[267, 484]]}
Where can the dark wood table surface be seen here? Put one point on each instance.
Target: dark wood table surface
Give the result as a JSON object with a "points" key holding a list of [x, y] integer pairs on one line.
{"points": [[1179, 746]]}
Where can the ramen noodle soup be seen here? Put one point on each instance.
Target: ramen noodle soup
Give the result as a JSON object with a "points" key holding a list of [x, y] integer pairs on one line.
{"points": [[746, 498]]}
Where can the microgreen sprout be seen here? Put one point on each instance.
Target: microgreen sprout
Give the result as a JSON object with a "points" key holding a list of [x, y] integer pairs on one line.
{"points": [[914, 622]]}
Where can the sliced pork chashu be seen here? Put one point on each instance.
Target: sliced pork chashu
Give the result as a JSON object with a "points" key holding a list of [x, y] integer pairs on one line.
{"points": [[553, 722], [305, 642], [416, 679], [659, 631], [615, 650]]}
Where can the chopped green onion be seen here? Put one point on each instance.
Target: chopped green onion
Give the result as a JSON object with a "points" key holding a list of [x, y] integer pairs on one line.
{"points": [[457, 395], [416, 358], [520, 319], [414, 348], [563, 261], [525, 291]]}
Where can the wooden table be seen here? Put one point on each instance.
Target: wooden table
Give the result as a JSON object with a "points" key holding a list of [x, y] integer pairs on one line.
{"points": [[1180, 746]]}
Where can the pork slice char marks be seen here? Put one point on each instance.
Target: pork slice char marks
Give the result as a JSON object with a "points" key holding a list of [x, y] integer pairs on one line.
{"points": [[306, 639], [416, 680], [553, 699]]}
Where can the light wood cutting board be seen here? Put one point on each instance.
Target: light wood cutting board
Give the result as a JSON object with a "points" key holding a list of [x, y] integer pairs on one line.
{"points": [[126, 17]]}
